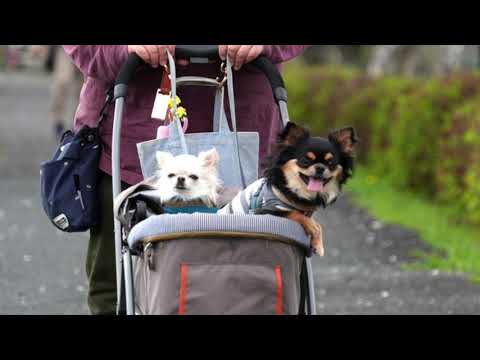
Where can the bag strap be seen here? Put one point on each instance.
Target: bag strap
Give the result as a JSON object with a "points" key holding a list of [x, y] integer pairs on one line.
{"points": [[106, 105], [220, 123], [177, 130], [231, 102]]}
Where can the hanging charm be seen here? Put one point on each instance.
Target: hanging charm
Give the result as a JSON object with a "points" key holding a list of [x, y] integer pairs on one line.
{"points": [[160, 106], [164, 107]]}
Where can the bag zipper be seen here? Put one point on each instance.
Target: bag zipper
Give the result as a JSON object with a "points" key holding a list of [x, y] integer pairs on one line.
{"points": [[79, 196]]}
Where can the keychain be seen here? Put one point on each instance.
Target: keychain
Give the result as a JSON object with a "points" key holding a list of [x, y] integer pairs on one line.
{"points": [[163, 131], [160, 106], [163, 107]]}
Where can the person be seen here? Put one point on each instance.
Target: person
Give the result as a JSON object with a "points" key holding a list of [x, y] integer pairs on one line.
{"points": [[67, 83], [100, 64]]}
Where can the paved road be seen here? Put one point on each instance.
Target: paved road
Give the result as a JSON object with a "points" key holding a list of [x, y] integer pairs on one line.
{"points": [[42, 270]]}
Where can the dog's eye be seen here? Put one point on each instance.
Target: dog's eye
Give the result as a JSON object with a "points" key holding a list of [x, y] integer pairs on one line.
{"points": [[194, 177], [171, 175], [303, 162]]}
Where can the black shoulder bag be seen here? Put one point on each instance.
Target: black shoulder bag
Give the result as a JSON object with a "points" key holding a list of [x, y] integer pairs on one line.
{"points": [[69, 180]]}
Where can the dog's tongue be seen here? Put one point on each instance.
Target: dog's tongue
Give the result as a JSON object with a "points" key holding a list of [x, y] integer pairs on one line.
{"points": [[315, 185]]}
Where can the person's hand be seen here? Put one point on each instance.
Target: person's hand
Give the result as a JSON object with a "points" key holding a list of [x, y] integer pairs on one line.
{"points": [[239, 54], [153, 55]]}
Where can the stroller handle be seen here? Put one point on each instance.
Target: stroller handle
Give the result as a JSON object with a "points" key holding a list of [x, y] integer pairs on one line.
{"points": [[127, 71], [196, 51], [261, 63]]}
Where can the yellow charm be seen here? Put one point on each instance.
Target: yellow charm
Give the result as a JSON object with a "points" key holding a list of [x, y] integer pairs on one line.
{"points": [[181, 112], [170, 102]]}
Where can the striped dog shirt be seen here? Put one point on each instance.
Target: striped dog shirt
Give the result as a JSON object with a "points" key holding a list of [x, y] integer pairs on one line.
{"points": [[258, 198]]}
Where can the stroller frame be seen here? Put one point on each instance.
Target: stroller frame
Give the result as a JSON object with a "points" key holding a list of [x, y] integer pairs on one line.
{"points": [[199, 54]]}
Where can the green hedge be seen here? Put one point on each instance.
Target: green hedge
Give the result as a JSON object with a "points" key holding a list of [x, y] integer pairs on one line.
{"points": [[424, 134]]}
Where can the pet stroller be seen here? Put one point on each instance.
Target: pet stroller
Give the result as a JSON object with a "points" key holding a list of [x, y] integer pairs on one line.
{"points": [[204, 263]]}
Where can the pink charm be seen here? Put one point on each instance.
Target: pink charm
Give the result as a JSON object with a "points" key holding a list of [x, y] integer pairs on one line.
{"points": [[163, 131]]}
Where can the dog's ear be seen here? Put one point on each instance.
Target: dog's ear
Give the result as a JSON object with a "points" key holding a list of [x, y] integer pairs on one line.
{"points": [[163, 157], [345, 139], [209, 158], [292, 134]]}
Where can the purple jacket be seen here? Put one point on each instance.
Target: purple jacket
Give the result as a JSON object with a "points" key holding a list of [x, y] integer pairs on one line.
{"points": [[100, 64]]}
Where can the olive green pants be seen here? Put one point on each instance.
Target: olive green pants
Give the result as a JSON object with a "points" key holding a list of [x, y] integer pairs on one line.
{"points": [[100, 262]]}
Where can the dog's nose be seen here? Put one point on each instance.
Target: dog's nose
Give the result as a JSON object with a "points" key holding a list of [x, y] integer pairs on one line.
{"points": [[319, 171], [181, 180]]}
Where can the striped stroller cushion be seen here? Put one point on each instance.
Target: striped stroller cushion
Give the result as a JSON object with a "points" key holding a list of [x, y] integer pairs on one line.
{"points": [[164, 225]]}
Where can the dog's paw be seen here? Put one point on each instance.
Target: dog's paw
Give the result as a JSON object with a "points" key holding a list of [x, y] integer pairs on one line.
{"points": [[314, 229], [317, 245]]}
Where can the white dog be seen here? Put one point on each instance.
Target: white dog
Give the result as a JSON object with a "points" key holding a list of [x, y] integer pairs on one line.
{"points": [[188, 178]]}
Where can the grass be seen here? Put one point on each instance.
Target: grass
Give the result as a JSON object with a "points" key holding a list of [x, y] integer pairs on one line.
{"points": [[437, 225]]}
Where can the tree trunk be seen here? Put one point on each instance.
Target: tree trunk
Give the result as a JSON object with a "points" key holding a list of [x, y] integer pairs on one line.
{"points": [[382, 57]]}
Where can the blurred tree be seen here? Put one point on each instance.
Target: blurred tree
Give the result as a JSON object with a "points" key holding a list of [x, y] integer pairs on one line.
{"points": [[413, 60], [422, 59], [352, 55]]}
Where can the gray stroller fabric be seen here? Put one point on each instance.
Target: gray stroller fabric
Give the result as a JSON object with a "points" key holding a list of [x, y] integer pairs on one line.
{"points": [[218, 264], [218, 276], [125, 206]]}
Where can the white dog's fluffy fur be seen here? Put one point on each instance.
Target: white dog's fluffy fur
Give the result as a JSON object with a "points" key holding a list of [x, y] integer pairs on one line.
{"points": [[187, 178]]}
